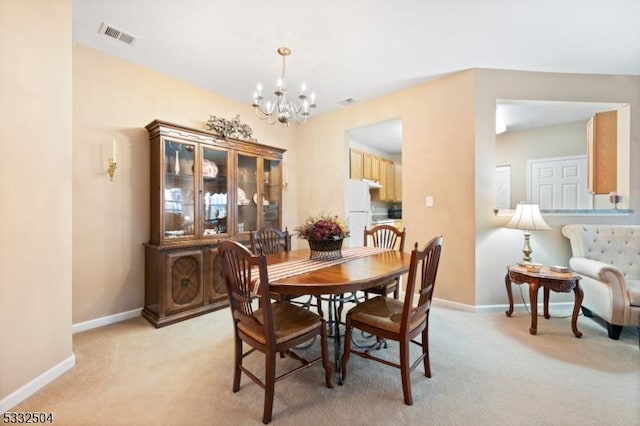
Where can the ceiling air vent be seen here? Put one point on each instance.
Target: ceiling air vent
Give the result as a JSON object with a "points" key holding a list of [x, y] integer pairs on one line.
{"points": [[109, 31], [348, 101]]}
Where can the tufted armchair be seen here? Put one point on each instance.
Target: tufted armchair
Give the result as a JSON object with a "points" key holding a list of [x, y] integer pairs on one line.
{"points": [[607, 257]]}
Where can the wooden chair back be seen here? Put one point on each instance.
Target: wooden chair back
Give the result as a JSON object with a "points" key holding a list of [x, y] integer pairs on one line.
{"points": [[385, 236], [270, 240], [390, 237], [238, 265], [423, 267]]}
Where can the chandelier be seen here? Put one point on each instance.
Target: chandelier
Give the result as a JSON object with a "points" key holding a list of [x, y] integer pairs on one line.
{"points": [[284, 109]]}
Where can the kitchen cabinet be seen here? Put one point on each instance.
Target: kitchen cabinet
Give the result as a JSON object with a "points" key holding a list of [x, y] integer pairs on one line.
{"points": [[398, 181], [356, 164], [380, 194], [203, 188], [374, 169], [602, 141], [388, 181], [363, 165], [391, 180], [366, 165]]}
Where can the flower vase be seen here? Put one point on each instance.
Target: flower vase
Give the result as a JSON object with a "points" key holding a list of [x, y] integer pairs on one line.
{"points": [[328, 249]]}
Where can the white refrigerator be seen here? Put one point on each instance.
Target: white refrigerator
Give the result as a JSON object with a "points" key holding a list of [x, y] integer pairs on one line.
{"points": [[358, 202]]}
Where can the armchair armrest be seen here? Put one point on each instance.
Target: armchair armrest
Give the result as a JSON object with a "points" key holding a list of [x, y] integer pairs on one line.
{"points": [[594, 268], [605, 273]]}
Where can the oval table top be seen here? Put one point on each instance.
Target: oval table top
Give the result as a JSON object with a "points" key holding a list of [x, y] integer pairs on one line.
{"points": [[352, 275]]}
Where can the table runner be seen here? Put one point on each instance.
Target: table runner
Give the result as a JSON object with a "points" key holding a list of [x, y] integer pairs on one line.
{"points": [[297, 267]]}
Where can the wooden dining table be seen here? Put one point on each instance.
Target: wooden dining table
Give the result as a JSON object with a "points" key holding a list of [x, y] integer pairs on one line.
{"points": [[361, 268]]}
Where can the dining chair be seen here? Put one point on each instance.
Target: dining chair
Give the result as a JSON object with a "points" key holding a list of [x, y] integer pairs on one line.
{"points": [[270, 240], [385, 236], [271, 329], [393, 319]]}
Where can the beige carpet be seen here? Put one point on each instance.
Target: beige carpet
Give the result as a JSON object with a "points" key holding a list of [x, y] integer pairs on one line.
{"points": [[487, 370]]}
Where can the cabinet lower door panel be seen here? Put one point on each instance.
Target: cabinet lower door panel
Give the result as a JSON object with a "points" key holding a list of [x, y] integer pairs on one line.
{"points": [[184, 289], [217, 288]]}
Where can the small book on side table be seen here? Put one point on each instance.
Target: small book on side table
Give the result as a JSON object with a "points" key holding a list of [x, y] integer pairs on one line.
{"points": [[559, 268]]}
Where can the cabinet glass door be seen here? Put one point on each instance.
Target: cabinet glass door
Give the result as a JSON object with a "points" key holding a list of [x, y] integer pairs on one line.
{"points": [[247, 197], [178, 200], [215, 187], [271, 192]]}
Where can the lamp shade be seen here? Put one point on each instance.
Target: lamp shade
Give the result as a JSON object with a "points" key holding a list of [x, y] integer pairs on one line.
{"points": [[528, 217]]}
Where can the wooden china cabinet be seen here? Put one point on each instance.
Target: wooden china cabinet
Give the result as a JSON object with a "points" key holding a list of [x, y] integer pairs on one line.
{"points": [[204, 188]]}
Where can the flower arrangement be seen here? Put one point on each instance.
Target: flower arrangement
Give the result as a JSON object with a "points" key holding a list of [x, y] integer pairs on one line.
{"points": [[322, 227], [230, 128]]}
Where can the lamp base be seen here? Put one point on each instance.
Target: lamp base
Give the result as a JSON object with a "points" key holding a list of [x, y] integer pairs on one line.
{"points": [[527, 248]]}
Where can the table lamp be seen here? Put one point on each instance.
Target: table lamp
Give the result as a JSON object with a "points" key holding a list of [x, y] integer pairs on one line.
{"points": [[528, 218]]}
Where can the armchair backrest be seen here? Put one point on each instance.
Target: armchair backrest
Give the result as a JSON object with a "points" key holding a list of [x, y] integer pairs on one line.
{"points": [[617, 245]]}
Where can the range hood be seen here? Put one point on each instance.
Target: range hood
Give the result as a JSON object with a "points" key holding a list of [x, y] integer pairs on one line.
{"points": [[373, 184]]}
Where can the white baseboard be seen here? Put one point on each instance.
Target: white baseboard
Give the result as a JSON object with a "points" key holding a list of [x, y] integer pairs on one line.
{"points": [[494, 308], [42, 380], [36, 384], [110, 319]]}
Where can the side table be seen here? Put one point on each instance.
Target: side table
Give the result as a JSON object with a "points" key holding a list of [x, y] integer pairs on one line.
{"points": [[557, 281]]}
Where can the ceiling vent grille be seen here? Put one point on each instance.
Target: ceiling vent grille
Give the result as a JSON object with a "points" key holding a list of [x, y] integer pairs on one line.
{"points": [[116, 34], [348, 101]]}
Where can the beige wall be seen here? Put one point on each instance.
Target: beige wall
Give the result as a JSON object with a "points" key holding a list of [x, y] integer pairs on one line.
{"points": [[515, 148], [114, 99], [437, 159], [35, 171], [495, 246]]}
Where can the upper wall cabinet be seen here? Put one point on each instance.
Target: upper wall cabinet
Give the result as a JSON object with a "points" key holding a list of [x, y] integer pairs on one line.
{"points": [[364, 165], [203, 189], [356, 164], [602, 150]]}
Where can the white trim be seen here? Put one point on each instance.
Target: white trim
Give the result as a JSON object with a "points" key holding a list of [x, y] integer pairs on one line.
{"points": [[110, 319], [493, 308], [453, 305], [45, 378], [36, 384]]}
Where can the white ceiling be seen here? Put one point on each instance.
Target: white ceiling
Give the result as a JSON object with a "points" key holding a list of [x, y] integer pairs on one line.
{"points": [[361, 49], [385, 136]]}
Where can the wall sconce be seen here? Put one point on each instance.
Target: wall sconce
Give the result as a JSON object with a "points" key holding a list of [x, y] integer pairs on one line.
{"points": [[285, 177], [112, 161]]}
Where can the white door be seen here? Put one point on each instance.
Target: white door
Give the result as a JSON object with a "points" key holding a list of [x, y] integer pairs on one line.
{"points": [[559, 183]]}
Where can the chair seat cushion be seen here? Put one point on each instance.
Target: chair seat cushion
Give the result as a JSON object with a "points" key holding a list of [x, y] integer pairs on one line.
{"points": [[633, 286], [382, 312], [289, 321]]}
